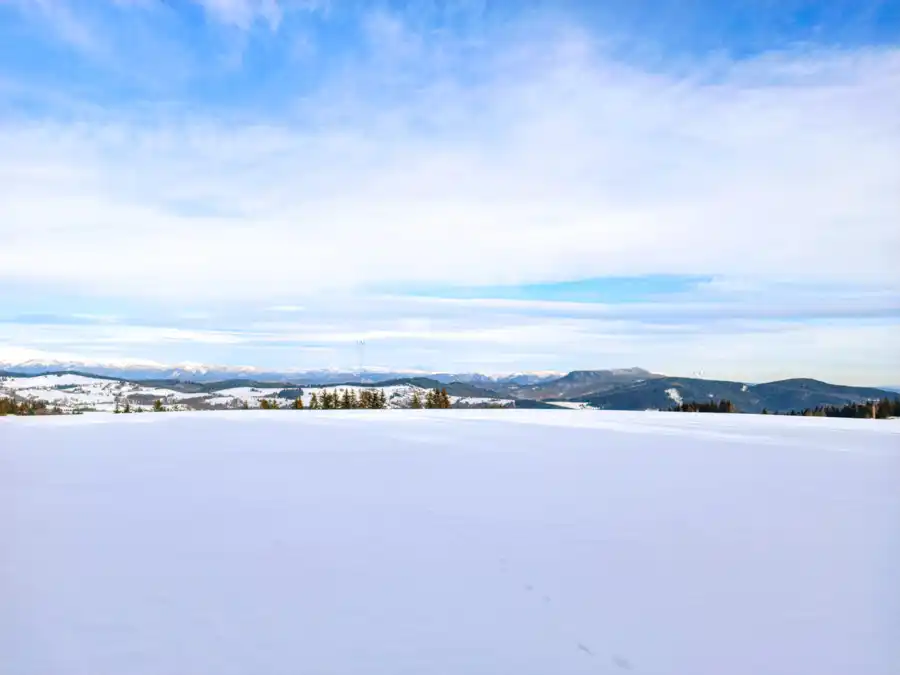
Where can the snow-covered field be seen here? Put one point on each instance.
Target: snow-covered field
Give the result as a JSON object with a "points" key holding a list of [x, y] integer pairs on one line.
{"points": [[79, 392], [448, 543], [571, 405]]}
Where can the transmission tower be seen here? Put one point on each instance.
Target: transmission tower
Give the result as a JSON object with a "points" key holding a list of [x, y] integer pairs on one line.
{"points": [[361, 354]]}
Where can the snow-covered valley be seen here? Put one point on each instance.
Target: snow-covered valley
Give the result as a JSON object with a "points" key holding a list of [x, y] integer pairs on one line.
{"points": [[448, 542]]}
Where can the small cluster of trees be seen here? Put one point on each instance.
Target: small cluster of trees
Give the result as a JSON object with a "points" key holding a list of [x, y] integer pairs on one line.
{"points": [[433, 399], [368, 399], [10, 406], [882, 409], [723, 406], [124, 407]]}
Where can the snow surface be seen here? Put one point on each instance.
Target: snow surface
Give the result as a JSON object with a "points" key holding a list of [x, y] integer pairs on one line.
{"points": [[447, 543], [52, 380], [675, 395], [571, 405]]}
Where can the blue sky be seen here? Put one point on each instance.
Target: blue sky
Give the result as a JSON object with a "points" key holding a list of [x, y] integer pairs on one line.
{"points": [[464, 184]]}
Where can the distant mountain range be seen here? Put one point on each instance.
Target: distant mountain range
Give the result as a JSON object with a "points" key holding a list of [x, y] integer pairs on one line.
{"points": [[616, 389], [204, 373]]}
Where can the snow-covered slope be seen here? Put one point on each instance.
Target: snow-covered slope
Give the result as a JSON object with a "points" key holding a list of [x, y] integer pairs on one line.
{"points": [[78, 392], [366, 543]]}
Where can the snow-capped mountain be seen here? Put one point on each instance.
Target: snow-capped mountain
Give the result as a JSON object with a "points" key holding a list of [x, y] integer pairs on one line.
{"points": [[196, 372], [536, 377]]}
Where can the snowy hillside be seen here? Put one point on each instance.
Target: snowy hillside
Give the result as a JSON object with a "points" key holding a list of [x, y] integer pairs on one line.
{"points": [[78, 392], [530, 543]]}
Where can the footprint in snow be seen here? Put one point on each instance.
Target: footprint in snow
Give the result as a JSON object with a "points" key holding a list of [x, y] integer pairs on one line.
{"points": [[621, 663]]}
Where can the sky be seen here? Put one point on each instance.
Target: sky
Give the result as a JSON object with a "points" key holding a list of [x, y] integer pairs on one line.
{"points": [[697, 187]]}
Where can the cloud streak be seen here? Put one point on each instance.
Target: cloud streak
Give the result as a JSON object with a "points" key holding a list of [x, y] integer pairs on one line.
{"points": [[565, 167]]}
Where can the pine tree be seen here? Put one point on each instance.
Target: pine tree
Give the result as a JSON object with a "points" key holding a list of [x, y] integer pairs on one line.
{"points": [[127, 408], [158, 406], [346, 404], [354, 402], [264, 404], [314, 402], [430, 399], [298, 403], [444, 399], [416, 401]]}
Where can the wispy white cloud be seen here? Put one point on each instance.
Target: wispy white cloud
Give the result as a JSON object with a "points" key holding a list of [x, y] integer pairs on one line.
{"points": [[242, 13], [568, 167], [64, 21]]}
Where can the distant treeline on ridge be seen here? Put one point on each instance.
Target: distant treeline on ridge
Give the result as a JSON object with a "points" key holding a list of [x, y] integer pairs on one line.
{"points": [[882, 409]]}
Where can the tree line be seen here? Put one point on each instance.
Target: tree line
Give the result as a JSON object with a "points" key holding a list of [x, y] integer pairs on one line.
{"points": [[344, 399], [10, 406], [882, 409], [723, 406], [367, 399]]}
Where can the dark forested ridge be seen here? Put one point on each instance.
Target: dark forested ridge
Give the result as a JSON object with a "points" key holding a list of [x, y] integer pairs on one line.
{"points": [[783, 396]]}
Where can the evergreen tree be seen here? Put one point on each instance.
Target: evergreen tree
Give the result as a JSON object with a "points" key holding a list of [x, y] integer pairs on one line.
{"points": [[314, 402], [430, 400], [346, 403], [444, 399], [158, 406], [416, 401], [723, 406], [298, 403], [10, 406]]}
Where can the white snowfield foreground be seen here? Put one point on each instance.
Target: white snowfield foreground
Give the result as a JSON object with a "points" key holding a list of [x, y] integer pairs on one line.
{"points": [[449, 543]]}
